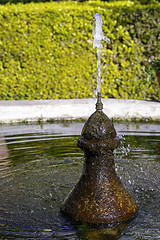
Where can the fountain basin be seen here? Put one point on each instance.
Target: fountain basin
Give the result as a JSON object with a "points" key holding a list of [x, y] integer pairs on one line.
{"points": [[43, 164]]}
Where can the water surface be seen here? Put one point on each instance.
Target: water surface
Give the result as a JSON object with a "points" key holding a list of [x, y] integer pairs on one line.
{"points": [[39, 165]]}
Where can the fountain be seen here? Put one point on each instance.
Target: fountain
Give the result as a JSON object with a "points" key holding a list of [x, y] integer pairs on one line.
{"points": [[40, 164], [99, 196]]}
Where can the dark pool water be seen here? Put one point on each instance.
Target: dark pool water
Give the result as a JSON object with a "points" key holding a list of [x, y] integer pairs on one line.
{"points": [[40, 164]]}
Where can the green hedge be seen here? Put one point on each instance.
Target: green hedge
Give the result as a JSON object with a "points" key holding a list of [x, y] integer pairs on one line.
{"points": [[46, 50], [28, 1]]}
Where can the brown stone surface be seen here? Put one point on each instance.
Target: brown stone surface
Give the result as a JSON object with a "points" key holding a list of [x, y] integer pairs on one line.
{"points": [[99, 196], [98, 126]]}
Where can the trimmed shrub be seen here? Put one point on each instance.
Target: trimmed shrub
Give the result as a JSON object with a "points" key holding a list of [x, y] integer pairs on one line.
{"points": [[28, 1], [46, 51]]}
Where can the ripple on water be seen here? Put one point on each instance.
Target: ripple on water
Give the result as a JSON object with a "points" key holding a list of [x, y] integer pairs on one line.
{"points": [[38, 171]]}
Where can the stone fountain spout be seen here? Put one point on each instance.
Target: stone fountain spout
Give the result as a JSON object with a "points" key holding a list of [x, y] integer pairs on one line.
{"points": [[99, 196]]}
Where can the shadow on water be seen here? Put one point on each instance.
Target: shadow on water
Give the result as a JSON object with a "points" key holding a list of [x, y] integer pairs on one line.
{"points": [[37, 171]]}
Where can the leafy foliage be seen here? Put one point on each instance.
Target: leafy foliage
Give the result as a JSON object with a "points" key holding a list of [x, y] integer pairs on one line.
{"points": [[38, 1], [152, 67], [46, 50]]}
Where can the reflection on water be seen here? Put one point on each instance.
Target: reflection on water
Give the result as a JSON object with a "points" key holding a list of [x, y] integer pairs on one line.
{"points": [[3, 152], [37, 170]]}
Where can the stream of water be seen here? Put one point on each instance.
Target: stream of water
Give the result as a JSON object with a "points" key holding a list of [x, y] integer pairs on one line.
{"points": [[97, 38]]}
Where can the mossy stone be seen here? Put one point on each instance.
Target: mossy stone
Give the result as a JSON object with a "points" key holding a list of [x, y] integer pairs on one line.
{"points": [[99, 196]]}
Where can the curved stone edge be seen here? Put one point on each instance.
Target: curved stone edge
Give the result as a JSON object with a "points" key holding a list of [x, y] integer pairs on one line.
{"points": [[72, 109]]}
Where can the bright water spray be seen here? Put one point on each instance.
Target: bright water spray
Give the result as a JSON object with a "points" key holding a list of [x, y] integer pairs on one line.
{"points": [[97, 38]]}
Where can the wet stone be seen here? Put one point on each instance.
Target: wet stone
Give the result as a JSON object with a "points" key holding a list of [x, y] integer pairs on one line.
{"points": [[99, 196]]}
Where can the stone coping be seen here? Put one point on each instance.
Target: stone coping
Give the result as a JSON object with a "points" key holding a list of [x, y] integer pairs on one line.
{"points": [[74, 109]]}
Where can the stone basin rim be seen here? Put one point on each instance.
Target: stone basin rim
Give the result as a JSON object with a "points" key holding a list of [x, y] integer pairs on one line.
{"points": [[72, 109]]}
